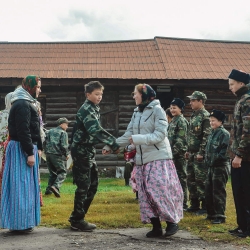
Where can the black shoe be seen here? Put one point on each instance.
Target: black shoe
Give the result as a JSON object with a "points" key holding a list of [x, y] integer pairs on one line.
{"points": [[192, 209], [48, 192], [171, 229], [218, 220], [185, 207], [242, 234], [55, 191], [154, 233], [83, 226], [24, 231], [201, 212], [235, 231]]}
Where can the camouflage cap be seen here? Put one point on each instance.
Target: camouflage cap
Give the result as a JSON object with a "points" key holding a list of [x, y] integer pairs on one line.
{"points": [[198, 95], [62, 120]]}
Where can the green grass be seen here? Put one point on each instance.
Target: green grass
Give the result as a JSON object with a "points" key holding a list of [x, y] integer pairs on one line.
{"points": [[115, 206]]}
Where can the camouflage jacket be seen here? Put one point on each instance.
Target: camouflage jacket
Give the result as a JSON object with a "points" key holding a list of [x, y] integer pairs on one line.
{"points": [[56, 142], [216, 148], [240, 131], [89, 131], [199, 129], [177, 135]]}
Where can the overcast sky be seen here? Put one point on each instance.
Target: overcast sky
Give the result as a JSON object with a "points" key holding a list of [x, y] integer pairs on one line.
{"points": [[107, 20]]}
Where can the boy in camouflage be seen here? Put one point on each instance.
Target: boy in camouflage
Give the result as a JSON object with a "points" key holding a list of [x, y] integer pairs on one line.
{"points": [[177, 135], [57, 153], [218, 168], [239, 151], [88, 133], [199, 129]]}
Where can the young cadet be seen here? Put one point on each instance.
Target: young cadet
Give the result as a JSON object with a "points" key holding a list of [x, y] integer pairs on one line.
{"points": [[88, 133], [217, 161], [177, 135], [240, 151], [57, 154], [199, 129]]}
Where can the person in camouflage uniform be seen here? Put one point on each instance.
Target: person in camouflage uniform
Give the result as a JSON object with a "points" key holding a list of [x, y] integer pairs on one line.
{"points": [[199, 129], [177, 135], [239, 151], [88, 133], [217, 162], [57, 153]]}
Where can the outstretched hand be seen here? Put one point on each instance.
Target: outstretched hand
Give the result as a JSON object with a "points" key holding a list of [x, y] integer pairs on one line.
{"points": [[106, 152]]}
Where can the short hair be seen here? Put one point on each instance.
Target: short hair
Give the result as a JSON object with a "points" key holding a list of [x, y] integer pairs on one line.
{"points": [[169, 113], [203, 101], [91, 86]]}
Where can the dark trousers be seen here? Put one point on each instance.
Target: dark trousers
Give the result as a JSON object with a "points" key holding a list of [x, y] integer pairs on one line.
{"points": [[215, 190], [241, 192], [57, 166], [86, 179], [181, 169]]}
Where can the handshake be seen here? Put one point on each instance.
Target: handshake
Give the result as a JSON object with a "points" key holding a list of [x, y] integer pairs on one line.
{"points": [[107, 150]]}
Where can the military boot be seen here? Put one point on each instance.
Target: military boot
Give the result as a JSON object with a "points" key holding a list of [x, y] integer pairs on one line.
{"points": [[194, 206], [157, 229]]}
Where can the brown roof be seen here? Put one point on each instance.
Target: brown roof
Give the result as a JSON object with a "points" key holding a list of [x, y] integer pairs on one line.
{"points": [[158, 58], [202, 59]]}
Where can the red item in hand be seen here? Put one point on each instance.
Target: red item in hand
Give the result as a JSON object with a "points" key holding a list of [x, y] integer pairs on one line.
{"points": [[129, 154]]}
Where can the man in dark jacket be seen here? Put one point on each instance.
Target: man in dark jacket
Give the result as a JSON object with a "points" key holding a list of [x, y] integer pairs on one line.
{"points": [[239, 151], [57, 153]]}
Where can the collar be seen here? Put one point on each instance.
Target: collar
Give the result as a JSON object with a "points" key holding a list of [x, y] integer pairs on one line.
{"points": [[240, 92], [199, 110], [95, 106]]}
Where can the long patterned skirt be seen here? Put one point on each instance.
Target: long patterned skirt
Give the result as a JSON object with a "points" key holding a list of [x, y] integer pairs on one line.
{"points": [[20, 202], [160, 192]]}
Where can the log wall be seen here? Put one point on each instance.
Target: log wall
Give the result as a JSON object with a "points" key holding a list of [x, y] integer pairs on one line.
{"points": [[117, 106]]}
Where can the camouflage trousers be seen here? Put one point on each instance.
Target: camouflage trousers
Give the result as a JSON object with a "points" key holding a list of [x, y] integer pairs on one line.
{"points": [[215, 190], [57, 170], [196, 177], [181, 169], [85, 177]]}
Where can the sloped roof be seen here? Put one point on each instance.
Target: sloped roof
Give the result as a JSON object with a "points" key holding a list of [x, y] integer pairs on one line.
{"points": [[124, 60], [202, 59], [158, 58]]}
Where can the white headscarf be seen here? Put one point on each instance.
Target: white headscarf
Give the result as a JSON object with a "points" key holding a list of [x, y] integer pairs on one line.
{"points": [[4, 115], [21, 94], [7, 101]]}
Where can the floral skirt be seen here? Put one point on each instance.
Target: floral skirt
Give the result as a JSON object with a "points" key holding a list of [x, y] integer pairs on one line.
{"points": [[20, 201], [160, 192]]}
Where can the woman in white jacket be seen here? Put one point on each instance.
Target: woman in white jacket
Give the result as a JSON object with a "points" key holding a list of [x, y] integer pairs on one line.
{"points": [[159, 189]]}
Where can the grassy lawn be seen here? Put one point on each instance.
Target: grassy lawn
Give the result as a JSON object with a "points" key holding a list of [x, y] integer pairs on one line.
{"points": [[115, 206]]}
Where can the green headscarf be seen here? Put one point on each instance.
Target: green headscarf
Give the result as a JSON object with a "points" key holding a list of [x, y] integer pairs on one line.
{"points": [[29, 83]]}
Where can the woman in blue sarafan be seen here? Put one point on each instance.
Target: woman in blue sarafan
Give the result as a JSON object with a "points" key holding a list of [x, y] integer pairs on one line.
{"points": [[20, 201]]}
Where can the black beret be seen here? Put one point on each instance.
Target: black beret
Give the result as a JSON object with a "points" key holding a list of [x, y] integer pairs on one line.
{"points": [[219, 115], [239, 76], [178, 102]]}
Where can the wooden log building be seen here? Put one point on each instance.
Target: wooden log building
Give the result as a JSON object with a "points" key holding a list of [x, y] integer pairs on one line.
{"points": [[173, 67]]}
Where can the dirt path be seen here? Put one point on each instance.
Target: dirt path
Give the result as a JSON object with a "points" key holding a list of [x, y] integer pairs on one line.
{"points": [[122, 239]]}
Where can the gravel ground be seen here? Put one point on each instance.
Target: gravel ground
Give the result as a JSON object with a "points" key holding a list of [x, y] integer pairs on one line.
{"points": [[63, 239]]}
